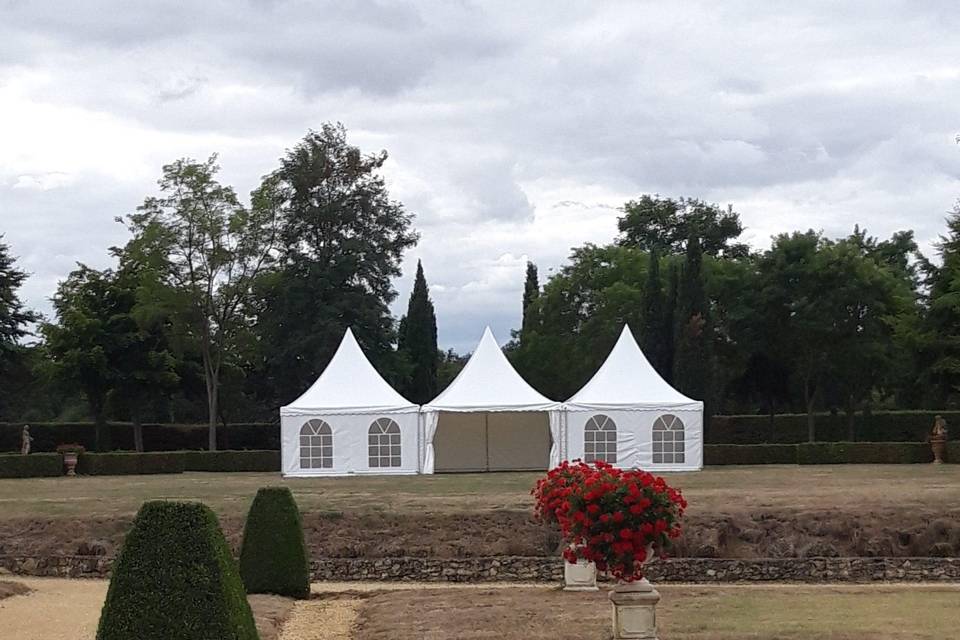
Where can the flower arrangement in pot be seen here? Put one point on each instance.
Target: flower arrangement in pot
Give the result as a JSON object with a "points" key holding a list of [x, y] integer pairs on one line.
{"points": [[70, 453], [618, 519], [551, 493]]}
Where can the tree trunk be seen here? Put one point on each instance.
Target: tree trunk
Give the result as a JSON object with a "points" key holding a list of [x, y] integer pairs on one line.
{"points": [[212, 408], [809, 396], [137, 430]]}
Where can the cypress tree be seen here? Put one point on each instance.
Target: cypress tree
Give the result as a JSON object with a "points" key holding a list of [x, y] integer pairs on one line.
{"points": [[668, 322], [418, 340], [531, 291], [693, 361], [653, 338]]}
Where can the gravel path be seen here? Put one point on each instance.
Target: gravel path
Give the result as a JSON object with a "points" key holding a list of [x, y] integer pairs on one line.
{"points": [[321, 620], [55, 610]]}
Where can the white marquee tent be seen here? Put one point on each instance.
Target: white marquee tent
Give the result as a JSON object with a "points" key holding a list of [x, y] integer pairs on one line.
{"points": [[349, 421], [490, 419], [631, 417]]}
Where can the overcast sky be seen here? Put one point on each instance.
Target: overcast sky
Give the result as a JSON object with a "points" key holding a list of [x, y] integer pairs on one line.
{"points": [[515, 130]]}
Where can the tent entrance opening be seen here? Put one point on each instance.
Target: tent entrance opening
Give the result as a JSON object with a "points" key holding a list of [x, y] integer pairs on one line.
{"points": [[492, 441]]}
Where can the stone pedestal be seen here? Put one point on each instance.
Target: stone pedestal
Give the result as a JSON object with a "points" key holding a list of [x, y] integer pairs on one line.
{"points": [[579, 576], [634, 610]]}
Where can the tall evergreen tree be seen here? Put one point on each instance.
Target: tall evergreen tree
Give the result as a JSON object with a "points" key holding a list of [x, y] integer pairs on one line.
{"points": [[693, 359], [531, 291], [418, 342], [653, 339], [13, 317], [668, 321]]}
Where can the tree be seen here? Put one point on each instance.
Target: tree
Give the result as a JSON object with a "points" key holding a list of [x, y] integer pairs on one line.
{"points": [[341, 242], [940, 340], [666, 225], [653, 328], [85, 341], [274, 557], [207, 249], [531, 291], [14, 320], [693, 356], [418, 342]]}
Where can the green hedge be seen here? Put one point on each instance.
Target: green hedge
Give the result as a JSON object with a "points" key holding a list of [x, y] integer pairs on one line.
{"points": [[156, 437], [175, 579], [232, 460], [273, 557], [884, 426], [825, 453], [35, 465], [129, 463]]}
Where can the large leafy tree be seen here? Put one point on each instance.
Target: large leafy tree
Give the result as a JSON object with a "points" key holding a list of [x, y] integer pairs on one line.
{"points": [[14, 322], [693, 356], [418, 342], [939, 337], [666, 225], [341, 242], [207, 250]]}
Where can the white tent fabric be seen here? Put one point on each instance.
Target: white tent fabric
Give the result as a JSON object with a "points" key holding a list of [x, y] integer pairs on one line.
{"points": [[362, 414], [488, 383], [656, 427]]}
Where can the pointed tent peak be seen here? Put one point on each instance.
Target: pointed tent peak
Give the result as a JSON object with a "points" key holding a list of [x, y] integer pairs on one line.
{"points": [[488, 382], [349, 384], [626, 380]]}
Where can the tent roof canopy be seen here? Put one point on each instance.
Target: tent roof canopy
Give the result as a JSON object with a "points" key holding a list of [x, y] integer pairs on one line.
{"points": [[349, 384], [488, 382], [627, 380]]}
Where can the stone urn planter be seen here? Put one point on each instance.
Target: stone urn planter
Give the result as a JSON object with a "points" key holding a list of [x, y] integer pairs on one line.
{"points": [[579, 576], [634, 607], [70, 453], [939, 446]]}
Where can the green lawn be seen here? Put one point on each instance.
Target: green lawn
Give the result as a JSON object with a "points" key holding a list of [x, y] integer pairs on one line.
{"points": [[850, 487]]}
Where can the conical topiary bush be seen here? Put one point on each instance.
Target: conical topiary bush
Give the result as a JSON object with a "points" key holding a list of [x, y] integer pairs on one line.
{"points": [[175, 579], [273, 558]]}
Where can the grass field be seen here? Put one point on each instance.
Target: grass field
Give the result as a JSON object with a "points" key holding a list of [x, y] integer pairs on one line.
{"points": [[68, 610], [715, 489]]}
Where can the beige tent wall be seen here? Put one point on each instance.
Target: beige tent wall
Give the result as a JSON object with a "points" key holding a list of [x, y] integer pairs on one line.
{"points": [[494, 441]]}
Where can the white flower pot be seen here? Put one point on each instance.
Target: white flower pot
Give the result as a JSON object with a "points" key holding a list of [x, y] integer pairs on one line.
{"points": [[634, 610], [579, 576]]}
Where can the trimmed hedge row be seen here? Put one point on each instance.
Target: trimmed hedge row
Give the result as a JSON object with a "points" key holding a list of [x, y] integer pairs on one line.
{"points": [[132, 463], [36, 465], [231, 460], [791, 428], [825, 453], [156, 437]]}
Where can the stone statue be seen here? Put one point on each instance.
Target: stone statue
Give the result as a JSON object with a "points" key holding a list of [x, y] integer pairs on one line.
{"points": [[939, 427], [938, 439], [25, 440]]}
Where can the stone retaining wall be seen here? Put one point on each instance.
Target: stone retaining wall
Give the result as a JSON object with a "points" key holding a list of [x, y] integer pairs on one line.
{"points": [[535, 569]]}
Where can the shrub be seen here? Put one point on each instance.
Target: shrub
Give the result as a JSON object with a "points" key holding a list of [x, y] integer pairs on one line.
{"points": [[232, 460], [863, 453], [129, 463], [721, 454], [273, 558], [175, 580], [35, 465]]}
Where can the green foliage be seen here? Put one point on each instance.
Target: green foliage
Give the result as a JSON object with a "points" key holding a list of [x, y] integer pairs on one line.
{"points": [[273, 558], [665, 225], [693, 342], [175, 579], [724, 454], [341, 241], [14, 319], [656, 320], [880, 426], [418, 342], [531, 291], [129, 463], [35, 465], [204, 250], [863, 452], [231, 461]]}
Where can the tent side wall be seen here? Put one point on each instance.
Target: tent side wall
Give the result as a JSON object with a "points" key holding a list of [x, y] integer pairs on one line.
{"points": [[634, 437], [351, 448]]}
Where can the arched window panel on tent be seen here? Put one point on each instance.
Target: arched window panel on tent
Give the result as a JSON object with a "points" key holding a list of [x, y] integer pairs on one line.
{"points": [[600, 439], [669, 446], [384, 443], [316, 445]]}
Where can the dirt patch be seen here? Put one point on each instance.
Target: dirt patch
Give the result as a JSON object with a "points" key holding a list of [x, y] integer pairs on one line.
{"points": [[270, 612], [10, 589], [684, 613], [906, 531], [321, 619]]}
